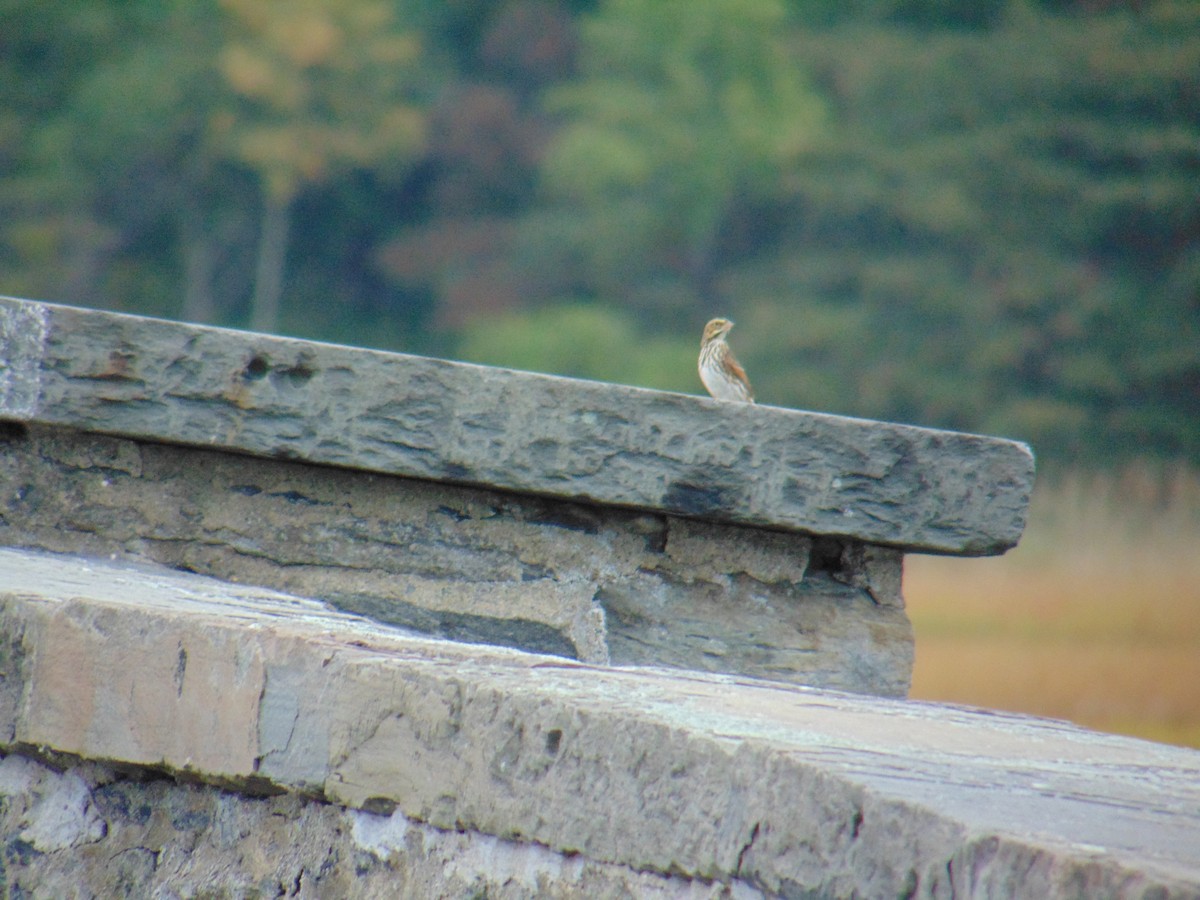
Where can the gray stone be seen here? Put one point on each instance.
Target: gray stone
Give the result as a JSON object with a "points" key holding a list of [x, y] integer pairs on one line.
{"points": [[586, 582], [689, 777], [164, 839], [871, 482], [61, 814]]}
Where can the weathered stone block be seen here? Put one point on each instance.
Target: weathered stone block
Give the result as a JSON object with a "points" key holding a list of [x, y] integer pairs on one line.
{"points": [[586, 582], [872, 482]]}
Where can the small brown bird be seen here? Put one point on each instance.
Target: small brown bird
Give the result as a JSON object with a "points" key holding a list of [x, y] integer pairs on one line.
{"points": [[720, 372]]}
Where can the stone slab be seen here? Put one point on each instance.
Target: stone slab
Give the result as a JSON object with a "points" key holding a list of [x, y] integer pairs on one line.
{"points": [[785, 790], [895, 485], [594, 583]]}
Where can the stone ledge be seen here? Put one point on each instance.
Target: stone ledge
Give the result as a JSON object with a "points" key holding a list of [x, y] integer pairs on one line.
{"points": [[895, 485], [784, 789], [594, 583]]}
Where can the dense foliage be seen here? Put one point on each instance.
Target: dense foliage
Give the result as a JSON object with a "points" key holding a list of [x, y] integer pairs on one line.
{"points": [[983, 215]]}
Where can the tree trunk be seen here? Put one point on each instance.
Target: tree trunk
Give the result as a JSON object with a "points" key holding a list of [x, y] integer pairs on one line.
{"points": [[199, 264], [272, 256]]}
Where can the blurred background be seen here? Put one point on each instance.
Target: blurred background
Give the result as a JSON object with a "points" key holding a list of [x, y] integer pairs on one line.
{"points": [[974, 214]]}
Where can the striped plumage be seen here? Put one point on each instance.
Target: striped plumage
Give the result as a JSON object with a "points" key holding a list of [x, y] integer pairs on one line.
{"points": [[720, 372]]}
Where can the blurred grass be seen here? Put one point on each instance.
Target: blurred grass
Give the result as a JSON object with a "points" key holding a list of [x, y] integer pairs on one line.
{"points": [[1094, 618]]}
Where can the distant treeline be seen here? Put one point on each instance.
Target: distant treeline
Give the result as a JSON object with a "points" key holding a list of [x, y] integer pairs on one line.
{"points": [[978, 214]]}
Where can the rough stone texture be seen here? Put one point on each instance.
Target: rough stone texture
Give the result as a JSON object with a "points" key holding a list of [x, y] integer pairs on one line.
{"points": [[550, 576], [622, 773], [94, 831], [872, 482]]}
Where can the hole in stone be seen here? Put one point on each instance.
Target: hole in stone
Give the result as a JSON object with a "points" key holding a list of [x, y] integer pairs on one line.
{"points": [[380, 806], [256, 368], [11, 432], [553, 740], [298, 375], [825, 556]]}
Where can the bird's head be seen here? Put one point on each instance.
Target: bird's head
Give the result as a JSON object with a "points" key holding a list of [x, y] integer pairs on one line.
{"points": [[717, 328]]}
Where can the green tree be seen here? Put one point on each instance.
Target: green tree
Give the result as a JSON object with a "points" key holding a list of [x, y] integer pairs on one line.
{"points": [[988, 221], [138, 132], [1005, 224], [686, 115], [319, 85], [583, 341], [59, 155]]}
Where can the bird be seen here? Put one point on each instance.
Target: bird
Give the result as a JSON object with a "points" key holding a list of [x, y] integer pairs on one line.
{"points": [[723, 377]]}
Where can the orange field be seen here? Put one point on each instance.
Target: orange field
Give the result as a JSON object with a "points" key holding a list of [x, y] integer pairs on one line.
{"points": [[1094, 618]]}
